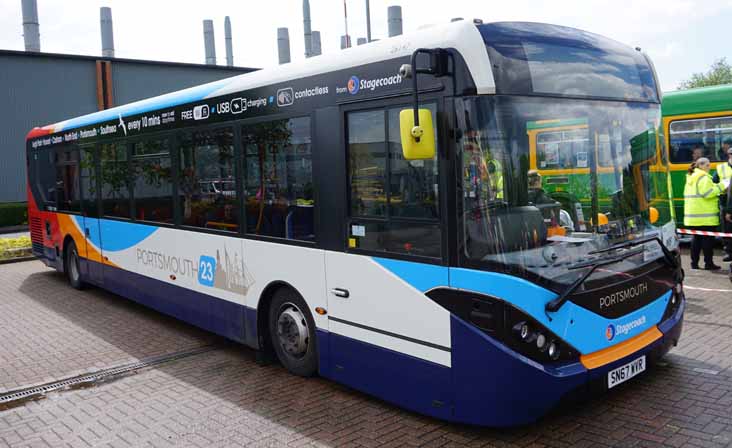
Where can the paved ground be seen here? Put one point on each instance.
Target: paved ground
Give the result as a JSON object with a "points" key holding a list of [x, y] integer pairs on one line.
{"points": [[223, 398]]}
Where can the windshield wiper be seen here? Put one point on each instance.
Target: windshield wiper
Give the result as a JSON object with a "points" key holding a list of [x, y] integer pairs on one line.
{"points": [[667, 255], [557, 303]]}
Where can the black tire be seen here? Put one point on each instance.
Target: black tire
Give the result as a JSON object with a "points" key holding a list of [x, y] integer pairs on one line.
{"points": [[288, 314], [71, 265]]}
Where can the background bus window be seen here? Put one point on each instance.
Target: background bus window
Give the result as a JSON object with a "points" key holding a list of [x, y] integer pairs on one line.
{"points": [[153, 192], [394, 202], [278, 179], [88, 180], [206, 182], [115, 180], [413, 184], [567, 149], [691, 139], [67, 179]]}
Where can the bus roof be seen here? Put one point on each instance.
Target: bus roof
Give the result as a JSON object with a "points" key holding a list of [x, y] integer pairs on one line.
{"points": [[462, 36], [695, 101]]}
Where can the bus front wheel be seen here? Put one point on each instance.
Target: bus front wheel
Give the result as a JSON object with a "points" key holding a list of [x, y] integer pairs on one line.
{"points": [[292, 332], [73, 273]]}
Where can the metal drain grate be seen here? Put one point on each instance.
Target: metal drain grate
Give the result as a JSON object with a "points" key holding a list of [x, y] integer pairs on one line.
{"points": [[25, 394]]}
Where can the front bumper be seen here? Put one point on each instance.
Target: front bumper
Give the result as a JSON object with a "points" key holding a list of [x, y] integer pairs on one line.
{"points": [[497, 387]]}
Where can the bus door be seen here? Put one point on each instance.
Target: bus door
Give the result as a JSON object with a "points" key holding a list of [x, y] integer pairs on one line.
{"points": [[386, 337], [90, 186]]}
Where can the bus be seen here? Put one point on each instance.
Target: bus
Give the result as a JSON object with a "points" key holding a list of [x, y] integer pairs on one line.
{"points": [[365, 216], [697, 123], [561, 150]]}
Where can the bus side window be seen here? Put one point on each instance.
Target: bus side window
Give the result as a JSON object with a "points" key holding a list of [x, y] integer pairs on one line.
{"points": [[67, 179], [690, 139], [115, 175], [153, 191], [206, 180], [88, 179], [278, 179]]}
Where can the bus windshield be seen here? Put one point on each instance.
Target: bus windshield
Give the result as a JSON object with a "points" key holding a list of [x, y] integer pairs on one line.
{"points": [[521, 213]]}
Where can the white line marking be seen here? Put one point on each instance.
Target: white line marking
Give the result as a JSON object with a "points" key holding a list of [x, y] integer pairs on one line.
{"points": [[696, 288]]}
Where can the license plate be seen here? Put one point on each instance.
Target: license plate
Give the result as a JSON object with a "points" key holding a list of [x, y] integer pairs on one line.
{"points": [[626, 372]]}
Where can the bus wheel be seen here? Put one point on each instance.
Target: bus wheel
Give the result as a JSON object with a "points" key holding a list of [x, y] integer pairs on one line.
{"points": [[292, 332], [72, 266]]}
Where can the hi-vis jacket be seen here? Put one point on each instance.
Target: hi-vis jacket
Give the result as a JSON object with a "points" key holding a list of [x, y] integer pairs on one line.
{"points": [[724, 170], [701, 199]]}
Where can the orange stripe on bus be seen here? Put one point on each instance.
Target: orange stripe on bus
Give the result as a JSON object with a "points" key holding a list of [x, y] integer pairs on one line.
{"points": [[610, 354]]}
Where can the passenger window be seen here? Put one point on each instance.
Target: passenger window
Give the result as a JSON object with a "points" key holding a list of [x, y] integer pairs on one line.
{"points": [[115, 180], [394, 202], [44, 175], [206, 182], [88, 180], [153, 190], [67, 179], [278, 179], [708, 137]]}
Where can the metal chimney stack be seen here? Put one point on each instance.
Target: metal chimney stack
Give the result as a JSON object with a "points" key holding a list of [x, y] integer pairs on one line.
{"points": [[316, 43], [306, 27], [368, 21], [395, 20], [105, 18], [229, 46], [283, 45], [31, 34], [345, 41], [208, 42]]}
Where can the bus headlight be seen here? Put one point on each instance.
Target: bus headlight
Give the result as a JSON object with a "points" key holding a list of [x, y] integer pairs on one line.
{"points": [[553, 351], [523, 331], [532, 339], [541, 341]]}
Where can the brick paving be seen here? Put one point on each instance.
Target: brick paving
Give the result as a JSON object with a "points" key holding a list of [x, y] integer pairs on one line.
{"points": [[223, 398], [50, 331]]}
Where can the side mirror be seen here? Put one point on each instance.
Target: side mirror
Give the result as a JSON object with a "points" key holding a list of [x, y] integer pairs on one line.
{"points": [[418, 142]]}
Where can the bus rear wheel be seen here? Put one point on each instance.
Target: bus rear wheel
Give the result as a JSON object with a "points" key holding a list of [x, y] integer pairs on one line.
{"points": [[292, 333], [73, 273]]}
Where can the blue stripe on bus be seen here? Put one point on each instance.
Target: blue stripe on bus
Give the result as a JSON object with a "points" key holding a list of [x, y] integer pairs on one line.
{"points": [[114, 236], [421, 276], [169, 100]]}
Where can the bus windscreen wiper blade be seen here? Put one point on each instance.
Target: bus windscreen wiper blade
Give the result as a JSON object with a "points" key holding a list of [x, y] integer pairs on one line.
{"points": [[667, 255], [557, 303]]}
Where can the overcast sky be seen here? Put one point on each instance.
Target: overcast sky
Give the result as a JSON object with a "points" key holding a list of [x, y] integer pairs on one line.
{"points": [[682, 36]]}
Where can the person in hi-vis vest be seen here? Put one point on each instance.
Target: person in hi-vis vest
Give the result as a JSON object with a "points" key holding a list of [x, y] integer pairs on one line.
{"points": [[724, 174], [701, 210]]}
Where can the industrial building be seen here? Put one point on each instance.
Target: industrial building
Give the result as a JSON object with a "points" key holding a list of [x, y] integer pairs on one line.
{"points": [[41, 88]]}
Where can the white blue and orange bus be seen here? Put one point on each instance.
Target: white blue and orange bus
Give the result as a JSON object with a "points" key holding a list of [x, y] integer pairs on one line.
{"points": [[368, 216]]}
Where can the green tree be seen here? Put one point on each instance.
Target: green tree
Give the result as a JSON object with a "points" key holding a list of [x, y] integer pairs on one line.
{"points": [[719, 73]]}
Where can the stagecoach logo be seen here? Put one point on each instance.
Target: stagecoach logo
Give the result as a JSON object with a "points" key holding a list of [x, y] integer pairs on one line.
{"points": [[610, 332], [285, 97], [353, 85], [624, 295], [621, 329]]}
